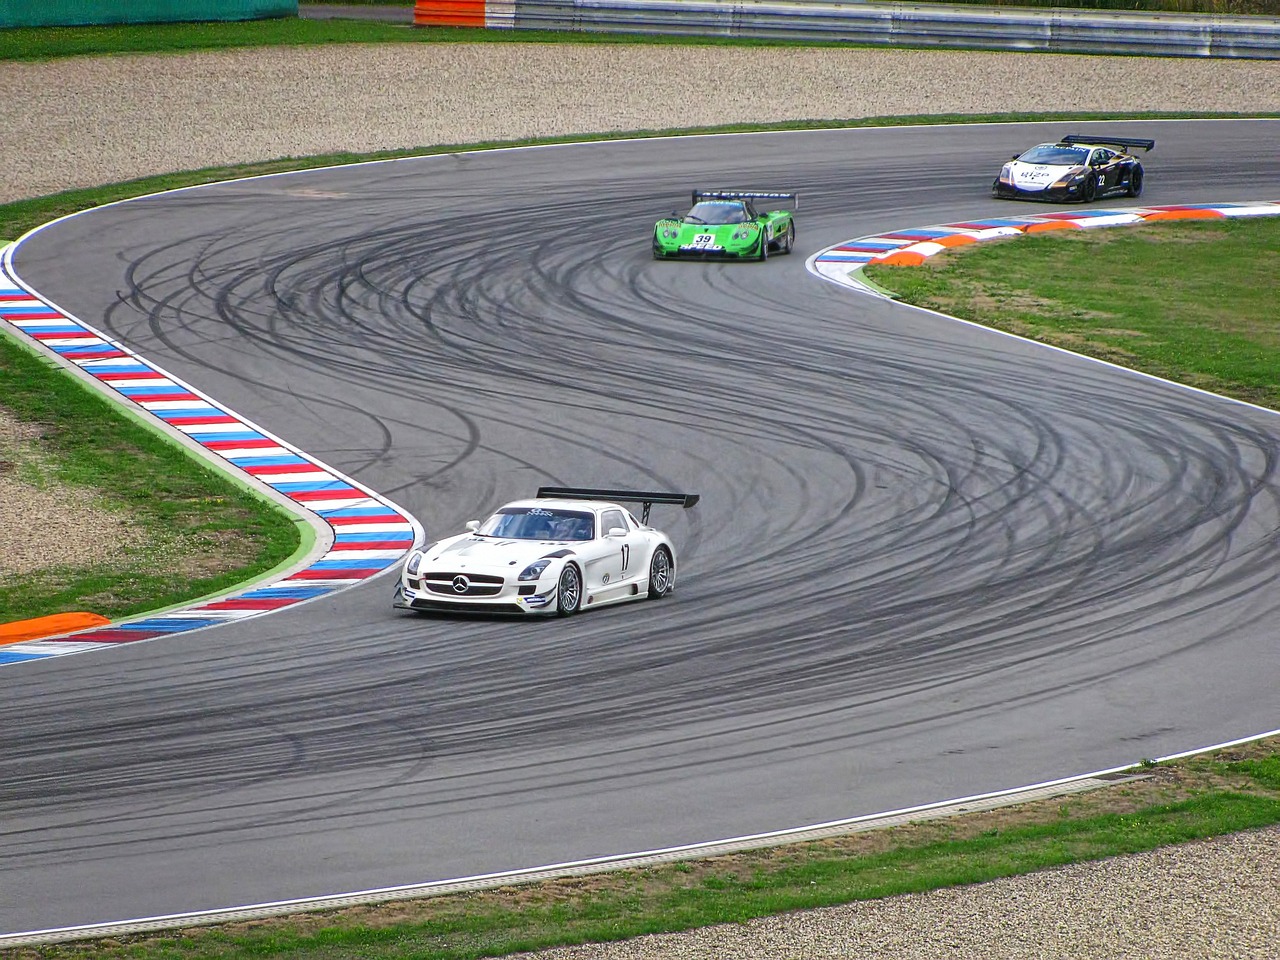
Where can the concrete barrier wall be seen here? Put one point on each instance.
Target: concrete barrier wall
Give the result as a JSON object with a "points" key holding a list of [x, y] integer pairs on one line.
{"points": [[1055, 30]]}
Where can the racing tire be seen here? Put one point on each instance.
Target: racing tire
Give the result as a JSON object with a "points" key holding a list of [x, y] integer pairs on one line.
{"points": [[788, 241], [764, 246], [1090, 191], [661, 575], [569, 591], [1135, 183]]}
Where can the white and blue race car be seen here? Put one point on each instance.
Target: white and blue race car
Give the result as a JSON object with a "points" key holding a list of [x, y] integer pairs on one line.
{"points": [[567, 549], [1077, 167]]}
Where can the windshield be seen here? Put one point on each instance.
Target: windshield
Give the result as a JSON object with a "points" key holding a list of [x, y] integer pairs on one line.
{"points": [[538, 523], [717, 211], [1057, 154]]}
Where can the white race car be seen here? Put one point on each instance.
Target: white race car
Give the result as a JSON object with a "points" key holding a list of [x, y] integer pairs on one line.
{"points": [[567, 549]]}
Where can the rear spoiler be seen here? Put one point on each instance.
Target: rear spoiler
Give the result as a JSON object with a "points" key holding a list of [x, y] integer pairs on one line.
{"points": [[744, 195], [647, 498], [1075, 138]]}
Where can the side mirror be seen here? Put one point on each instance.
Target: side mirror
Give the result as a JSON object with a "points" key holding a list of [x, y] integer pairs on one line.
{"points": [[473, 525], [616, 532]]}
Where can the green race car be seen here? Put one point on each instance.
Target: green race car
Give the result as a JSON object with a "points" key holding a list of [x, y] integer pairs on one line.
{"points": [[724, 225]]}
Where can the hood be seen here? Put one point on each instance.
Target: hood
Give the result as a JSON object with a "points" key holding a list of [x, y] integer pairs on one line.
{"points": [[469, 552], [721, 231], [1038, 176]]}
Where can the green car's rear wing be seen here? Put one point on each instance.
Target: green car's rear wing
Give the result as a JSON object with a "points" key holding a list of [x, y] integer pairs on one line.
{"points": [[744, 195], [648, 498], [1079, 138]]}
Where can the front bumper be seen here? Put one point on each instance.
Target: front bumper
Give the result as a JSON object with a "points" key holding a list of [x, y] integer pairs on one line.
{"points": [[693, 253], [437, 593], [1068, 194]]}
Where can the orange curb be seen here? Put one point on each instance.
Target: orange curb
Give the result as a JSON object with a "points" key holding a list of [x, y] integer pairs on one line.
{"points": [[1044, 225], [901, 258], [1183, 215], [954, 240], [49, 626]]}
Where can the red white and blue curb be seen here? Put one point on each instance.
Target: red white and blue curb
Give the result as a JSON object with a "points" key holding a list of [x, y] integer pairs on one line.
{"points": [[843, 263], [361, 534]]}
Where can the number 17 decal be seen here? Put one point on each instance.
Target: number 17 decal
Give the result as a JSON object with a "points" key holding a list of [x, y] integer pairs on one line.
{"points": [[626, 556]]}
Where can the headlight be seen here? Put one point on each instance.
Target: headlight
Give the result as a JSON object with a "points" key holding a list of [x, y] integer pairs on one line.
{"points": [[744, 233], [669, 233], [1006, 171], [534, 570], [415, 561]]}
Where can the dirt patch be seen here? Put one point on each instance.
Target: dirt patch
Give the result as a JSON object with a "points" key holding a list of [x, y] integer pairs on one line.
{"points": [[44, 524]]}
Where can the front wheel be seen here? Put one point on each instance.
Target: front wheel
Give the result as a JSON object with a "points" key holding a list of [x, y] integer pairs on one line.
{"points": [[569, 592], [661, 576], [1135, 182], [764, 244], [1090, 191], [788, 241]]}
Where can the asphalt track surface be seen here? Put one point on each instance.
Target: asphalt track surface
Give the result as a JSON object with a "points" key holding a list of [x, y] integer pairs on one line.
{"points": [[930, 561]]}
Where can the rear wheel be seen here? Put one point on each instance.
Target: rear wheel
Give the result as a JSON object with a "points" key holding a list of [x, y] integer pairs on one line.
{"points": [[1135, 182], [569, 591], [661, 574]]}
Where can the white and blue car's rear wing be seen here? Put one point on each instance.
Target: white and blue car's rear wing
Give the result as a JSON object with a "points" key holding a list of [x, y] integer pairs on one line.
{"points": [[646, 497]]}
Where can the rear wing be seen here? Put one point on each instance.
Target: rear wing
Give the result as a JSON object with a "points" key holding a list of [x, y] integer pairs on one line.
{"points": [[1077, 138], [744, 195], [647, 498]]}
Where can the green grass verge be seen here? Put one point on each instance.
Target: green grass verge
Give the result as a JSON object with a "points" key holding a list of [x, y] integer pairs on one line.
{"points": [[189, 530], [1186, 800], [1189, 301]]}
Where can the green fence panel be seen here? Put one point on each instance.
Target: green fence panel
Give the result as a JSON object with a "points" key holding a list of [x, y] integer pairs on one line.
{"points": [[66, 13]]}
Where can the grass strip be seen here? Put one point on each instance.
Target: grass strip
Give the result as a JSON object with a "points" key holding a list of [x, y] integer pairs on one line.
{"points": [[1188, 301], [199, 532], [1186, 800]]}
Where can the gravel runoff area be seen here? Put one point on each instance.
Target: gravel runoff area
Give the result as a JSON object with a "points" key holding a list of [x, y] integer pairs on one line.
{"points": [[87, 121], [84, 122]]}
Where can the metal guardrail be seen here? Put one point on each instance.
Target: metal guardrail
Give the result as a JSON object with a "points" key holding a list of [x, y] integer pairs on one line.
{"points": [[1056, 30]]}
